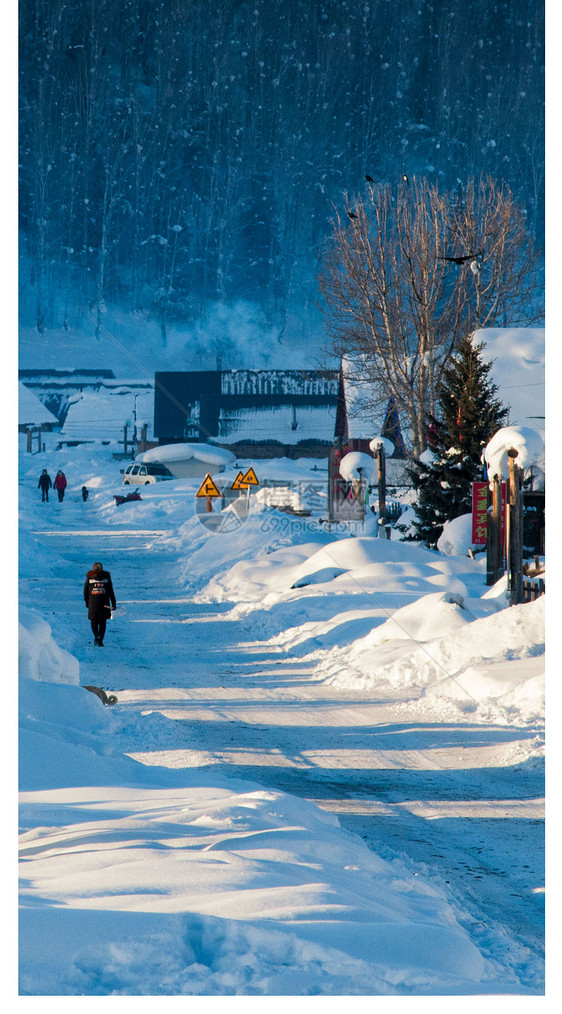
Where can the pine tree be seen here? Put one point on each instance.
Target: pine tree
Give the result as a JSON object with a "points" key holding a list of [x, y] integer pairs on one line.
{"points": [[469, 415]]}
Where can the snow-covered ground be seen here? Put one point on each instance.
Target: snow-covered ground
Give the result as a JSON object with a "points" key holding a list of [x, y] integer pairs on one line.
{"points": [[324, 771]]}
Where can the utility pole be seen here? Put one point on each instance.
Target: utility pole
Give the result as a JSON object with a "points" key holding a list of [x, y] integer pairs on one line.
{"points": [[381, 483], [135, 419], [515, 529]]}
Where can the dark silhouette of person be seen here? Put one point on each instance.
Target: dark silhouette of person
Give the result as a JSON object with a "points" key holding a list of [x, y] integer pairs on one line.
{"points": [[84, 493], [100, 599], [44, 485]]}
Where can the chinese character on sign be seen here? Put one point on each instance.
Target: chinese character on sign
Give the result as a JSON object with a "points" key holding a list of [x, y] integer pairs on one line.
{"points": [[480, 512]]}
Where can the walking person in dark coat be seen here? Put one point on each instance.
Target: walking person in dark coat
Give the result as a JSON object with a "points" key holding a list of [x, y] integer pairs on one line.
{"points": [[44, 485], [60, 484], [100, 599]]}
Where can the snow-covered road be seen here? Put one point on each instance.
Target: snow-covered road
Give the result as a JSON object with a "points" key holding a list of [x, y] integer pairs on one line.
{"points": [[215, 686], [442, 797]]}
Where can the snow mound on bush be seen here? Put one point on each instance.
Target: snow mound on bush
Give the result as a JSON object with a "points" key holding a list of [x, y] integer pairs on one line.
{"points": [[456, 537]]}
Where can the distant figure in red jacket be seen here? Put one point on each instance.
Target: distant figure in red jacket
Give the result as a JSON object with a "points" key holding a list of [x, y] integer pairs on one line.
{"points": [[100, 599], [60, 484]]}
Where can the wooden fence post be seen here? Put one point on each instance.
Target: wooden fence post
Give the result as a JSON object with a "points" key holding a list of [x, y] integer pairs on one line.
{"points": [[515, 530], [381, 486]]}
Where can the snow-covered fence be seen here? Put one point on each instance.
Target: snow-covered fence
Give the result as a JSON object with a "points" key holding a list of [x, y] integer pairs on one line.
{"points": [[532, 590], [512, 449]]}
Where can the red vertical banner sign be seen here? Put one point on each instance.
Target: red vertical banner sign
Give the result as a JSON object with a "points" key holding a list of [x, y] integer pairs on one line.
{"points": [[479, 513]]}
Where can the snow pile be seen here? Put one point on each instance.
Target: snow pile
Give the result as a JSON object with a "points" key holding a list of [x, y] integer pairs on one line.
{"points": [[357, 465], [380, 441], [456, 537], [528, 443], [39, 656], [380, 565], [434, 642], [179, 452], [251, 579]]}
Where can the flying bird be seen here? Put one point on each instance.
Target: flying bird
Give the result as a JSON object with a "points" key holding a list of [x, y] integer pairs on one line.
{"points": [[462, 259], [369, 179]]}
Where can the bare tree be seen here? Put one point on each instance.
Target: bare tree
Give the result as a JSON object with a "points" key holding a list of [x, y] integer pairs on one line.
{"points": [[409, 271]]}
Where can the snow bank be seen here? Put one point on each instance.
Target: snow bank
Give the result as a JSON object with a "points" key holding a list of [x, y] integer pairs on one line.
{"points": [[382, 565], [369, 567], [39, 656], [436, 644]]}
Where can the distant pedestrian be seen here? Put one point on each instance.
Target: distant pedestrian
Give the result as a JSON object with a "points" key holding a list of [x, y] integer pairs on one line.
{"points": [[84, 494], [44, 485], [60, 484], [100, 599]]}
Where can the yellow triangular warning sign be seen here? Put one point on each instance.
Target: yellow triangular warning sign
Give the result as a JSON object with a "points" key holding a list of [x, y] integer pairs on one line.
{"points": [[208, 487], [238, 482], [250, 479]]}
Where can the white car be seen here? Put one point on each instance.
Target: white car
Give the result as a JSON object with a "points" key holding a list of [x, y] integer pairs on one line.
{"points": [[140, 475]]}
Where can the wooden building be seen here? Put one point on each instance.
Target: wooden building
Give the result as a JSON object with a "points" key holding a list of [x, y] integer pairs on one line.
{"points": [[254, 413]]}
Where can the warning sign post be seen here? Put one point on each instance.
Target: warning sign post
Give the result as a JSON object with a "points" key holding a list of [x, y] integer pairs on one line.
{"points": [[208, 487], [250, 478], [245, 481], [238, 482]]}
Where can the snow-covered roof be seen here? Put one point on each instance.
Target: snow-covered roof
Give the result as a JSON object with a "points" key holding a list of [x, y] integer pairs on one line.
{"points": [[103, 414], [287, 424], [518, 357], [268, 382], [363, 419], [31, 411], [179, 452]]}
